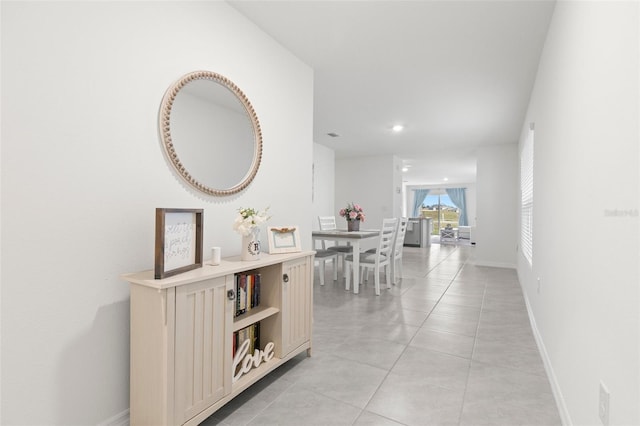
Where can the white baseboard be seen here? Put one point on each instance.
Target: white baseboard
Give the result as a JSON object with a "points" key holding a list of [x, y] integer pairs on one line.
{"points": [[493, 264], [120, 419], [555, 387]]}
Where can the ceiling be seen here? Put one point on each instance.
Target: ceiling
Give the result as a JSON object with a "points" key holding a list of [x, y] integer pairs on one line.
{"points": [[457, 75]]}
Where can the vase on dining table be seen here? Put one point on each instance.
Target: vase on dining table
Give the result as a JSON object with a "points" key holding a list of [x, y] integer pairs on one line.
{"points": [[353, 225]]}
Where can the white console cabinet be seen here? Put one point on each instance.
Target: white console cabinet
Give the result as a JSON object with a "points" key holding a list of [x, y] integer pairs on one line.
{"points": [[182, 334]]}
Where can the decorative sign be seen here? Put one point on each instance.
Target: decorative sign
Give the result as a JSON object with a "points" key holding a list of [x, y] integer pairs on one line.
{"points": [[178, 241], [247, 361]]}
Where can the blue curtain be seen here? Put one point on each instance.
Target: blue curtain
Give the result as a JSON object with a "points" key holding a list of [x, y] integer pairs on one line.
{"points": [[458, 196], [418, 198]]}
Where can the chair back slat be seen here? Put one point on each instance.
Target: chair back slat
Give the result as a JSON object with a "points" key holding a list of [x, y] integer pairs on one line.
{"points": [[387, 239], [327, 223], [402, 230], [376, 258]]}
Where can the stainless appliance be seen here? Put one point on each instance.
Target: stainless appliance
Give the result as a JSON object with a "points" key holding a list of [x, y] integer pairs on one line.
{"points": [[418, 232]]}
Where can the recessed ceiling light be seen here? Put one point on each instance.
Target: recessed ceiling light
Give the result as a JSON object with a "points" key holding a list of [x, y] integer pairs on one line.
{"points": [[405, 169], [446, 179], [397, 128]]}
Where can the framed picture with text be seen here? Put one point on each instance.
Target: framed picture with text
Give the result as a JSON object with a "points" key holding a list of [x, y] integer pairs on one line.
{"points": [[283, 239], [178, 241]]}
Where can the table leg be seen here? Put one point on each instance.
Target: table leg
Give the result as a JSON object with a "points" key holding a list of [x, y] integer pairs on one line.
{"points": [[356, 266]]}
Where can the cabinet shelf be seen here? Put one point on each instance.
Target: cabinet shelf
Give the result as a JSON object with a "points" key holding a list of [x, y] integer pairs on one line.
{"points": [[254, 315], [182, 332]]}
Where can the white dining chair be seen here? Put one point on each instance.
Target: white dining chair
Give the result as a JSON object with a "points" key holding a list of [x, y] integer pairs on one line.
{"points": [[324, 255], [328, 223], [375, 260], [396, 257], [364, 275]]}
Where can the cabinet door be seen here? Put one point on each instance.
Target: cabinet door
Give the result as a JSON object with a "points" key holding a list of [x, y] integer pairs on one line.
{"points": [[202, 349], [297, 304]]}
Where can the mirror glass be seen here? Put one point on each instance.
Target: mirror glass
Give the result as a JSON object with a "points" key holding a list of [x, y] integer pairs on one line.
{"points": [[211, 133]]}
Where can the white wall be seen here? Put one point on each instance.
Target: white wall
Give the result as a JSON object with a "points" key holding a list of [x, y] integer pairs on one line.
{"points": [[324, 176], [370, 182], [585, 225], [83, 171], [397, 187], [497, 206]]}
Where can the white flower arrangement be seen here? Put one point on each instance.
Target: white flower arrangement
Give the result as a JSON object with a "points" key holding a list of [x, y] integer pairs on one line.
{"points": [[248, 219]]}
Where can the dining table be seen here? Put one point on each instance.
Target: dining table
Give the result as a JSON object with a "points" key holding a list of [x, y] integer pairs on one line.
{"points": [[353, 238]]}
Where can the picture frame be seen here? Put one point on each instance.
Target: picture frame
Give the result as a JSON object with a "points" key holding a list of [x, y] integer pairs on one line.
{"points": [[178, 245], [283, 239]]}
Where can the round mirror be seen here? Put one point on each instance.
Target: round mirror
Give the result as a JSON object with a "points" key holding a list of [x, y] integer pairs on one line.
{"points": [[211, 133]]}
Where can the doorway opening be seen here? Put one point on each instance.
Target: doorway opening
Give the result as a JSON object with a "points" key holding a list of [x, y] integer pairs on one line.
{"points": [[443, 212]]}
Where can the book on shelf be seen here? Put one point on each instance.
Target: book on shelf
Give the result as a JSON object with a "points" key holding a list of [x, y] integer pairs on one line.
{"points": [[247, 291], [251, 333], [255, 301]]}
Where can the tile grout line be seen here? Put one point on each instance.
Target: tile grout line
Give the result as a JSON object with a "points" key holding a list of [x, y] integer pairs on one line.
{"points": [[410, 340], [473, 349]]}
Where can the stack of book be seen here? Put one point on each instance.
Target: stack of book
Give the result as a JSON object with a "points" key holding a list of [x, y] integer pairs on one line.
{"points": [[247, 291], [248, 297], [251, 333]]}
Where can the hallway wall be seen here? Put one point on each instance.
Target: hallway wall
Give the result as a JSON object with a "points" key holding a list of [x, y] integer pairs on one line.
{"points": [[373, 182], [497, 206], [83, 171], [324, 177], [582, 289]]}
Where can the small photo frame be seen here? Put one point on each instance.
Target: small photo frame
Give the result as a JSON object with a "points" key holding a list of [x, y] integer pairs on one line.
{"points": [[178, 241], [284, 239]]}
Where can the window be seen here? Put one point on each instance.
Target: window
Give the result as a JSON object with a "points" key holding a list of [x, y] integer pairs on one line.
{"points": [[438, 206], [526, 189]]}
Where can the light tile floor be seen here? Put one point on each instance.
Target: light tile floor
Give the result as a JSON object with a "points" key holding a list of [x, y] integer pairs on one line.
{"points": [[449, 345]]}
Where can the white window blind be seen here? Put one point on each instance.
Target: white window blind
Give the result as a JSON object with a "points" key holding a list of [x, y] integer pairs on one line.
{"points": [[526, 207]]}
